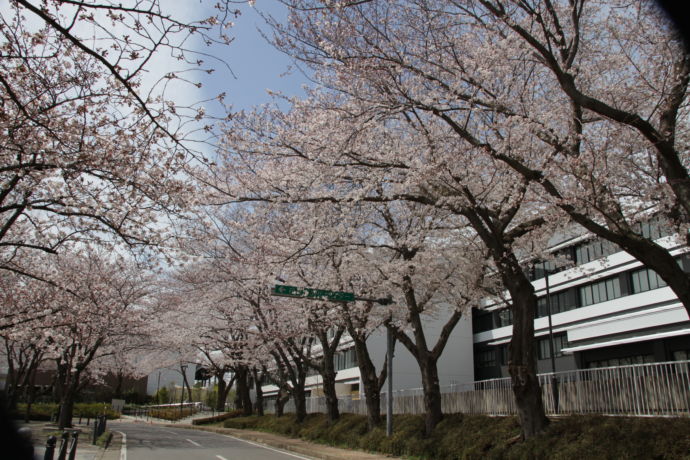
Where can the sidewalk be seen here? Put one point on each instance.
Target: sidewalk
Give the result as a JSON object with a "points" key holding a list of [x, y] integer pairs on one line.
{"points": [[40, 431]]}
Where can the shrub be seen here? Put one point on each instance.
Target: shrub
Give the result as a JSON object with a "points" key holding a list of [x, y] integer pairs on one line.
{"points": [[45, 411], [217, 418], [172, 413], [104, 439], [471, 437]]}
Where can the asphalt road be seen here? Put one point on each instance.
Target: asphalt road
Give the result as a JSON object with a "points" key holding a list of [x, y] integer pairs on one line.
{"points": [[154, 442]]}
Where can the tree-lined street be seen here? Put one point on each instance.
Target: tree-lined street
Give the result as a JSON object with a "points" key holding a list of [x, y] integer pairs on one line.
{"points": [[155, 442], [440, 153]]}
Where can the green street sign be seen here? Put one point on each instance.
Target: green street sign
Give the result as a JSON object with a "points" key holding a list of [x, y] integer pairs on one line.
{"points": [[283, 290]]}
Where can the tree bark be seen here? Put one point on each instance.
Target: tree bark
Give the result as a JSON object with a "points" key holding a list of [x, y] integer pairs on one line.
{"points": [[299, 396], [185, 384], [328, 373], [30, 393], [329, 391], [432, 394], [259, 402], [67, 404], [242, 384], [371, 383], [281, 399], [522, 365], [223, 389]]}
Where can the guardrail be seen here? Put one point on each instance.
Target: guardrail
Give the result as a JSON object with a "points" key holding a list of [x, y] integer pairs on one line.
{"points": [[655, 389]]}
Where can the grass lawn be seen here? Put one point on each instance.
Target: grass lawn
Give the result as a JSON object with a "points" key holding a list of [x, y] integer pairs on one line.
{"points": [[481, 437]]}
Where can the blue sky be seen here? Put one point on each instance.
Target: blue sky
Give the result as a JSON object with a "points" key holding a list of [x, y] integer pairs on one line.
{"points": [[256, 64]]}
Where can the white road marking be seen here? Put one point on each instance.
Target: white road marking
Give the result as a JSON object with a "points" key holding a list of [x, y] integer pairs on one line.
{"points": [[268, 448], [221, 457], [171, 432], [123, 448], [195, 443]]}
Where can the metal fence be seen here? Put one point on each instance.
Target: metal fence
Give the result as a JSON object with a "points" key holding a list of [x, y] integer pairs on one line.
{"points": [[659, 389]]}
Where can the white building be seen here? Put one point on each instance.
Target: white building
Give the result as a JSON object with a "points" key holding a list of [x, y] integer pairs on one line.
{"points": [[454, 366], [606, 310]]}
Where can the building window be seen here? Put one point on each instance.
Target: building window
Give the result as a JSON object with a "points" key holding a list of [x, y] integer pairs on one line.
{"points": [[505, 317], [560, 302], [503, 355], [626, 361], [646, 280], [483, 321], [654, 228], [486, 358], [681, 355], [593, 250], [560, 341], [684, 262], [345, 359], [600, 291]]}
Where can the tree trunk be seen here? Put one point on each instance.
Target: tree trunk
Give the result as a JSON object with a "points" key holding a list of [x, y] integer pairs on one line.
{"points": [[432, 393], [118, 386], [522, 364], [328, 373], [300, 398], [259, 402], [243, 397], [67, 404], [282, 398], [371, 383], [30, 393], [221, 395], [185, 384], [223, 389]]}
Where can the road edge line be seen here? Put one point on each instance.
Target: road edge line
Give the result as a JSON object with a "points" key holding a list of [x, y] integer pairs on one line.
{"points": [[285, 452], [123, 446]]}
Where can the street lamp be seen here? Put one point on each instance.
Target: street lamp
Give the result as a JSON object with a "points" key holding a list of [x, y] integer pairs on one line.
{"points": [[554, 379], [183, 368]]}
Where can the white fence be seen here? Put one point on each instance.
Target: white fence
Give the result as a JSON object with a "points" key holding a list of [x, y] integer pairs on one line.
{"points": [[660, 389]]}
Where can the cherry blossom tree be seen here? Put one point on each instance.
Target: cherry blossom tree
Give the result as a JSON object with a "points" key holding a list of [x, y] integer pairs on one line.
{"points": [[427, 269], [586, 99], [320, 153], [213, 327], [23, 352], [101, 313], [92, 144]]}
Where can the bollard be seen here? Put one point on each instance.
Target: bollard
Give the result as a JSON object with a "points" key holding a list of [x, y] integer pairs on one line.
{"points": [[95, 431], [62, 453], [73, 445], [50, 448], [98, 427]]}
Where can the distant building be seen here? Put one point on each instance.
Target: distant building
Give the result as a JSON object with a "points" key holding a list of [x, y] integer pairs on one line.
{"points": [[454, 366], [169, 377], [606, 310]]}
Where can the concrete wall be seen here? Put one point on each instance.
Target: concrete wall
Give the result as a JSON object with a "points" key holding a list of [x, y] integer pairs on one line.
{"points": [[455, 365]]}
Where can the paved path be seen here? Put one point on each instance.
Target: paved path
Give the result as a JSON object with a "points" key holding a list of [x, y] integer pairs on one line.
{"points": [[139, 439], [156, 442]]}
